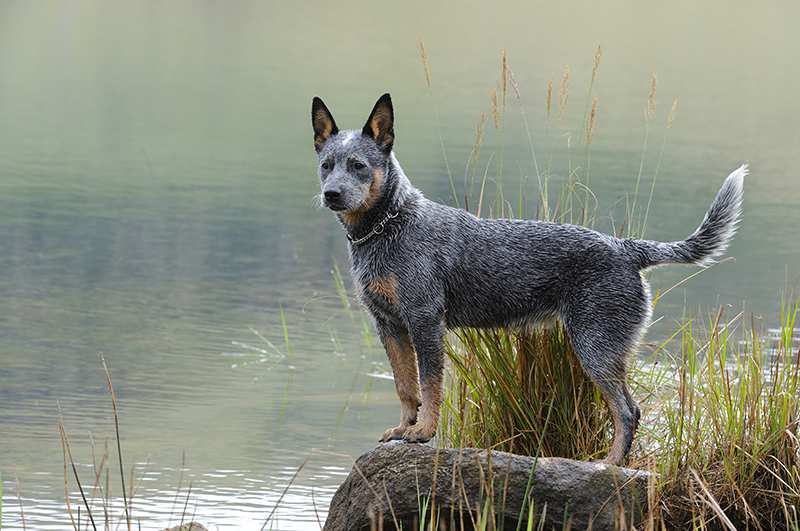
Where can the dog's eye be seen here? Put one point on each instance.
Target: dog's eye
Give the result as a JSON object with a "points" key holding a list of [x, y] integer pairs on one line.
{"points": [[327, 165], [358, 165]]}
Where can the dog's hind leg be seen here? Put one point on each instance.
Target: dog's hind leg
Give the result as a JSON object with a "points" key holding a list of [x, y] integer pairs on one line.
{"points": [[637, 413], [406, 378], [614, 389], [625, 419], [602, 350]]}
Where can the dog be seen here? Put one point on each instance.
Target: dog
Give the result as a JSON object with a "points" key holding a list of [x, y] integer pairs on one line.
{"points": [[422, 268]]}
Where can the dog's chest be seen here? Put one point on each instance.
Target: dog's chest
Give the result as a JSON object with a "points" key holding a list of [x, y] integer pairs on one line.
{"points": [[378, 289]]}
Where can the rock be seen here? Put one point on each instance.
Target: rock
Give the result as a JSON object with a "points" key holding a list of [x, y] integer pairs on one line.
{"points": [[191, 526], [587, 495]]}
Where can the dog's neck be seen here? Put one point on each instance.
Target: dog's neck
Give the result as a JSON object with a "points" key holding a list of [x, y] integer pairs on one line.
{"points": [[394, 192]]}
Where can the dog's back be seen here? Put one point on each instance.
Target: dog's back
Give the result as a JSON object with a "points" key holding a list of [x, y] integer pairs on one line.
{"points": [[497, 272]]}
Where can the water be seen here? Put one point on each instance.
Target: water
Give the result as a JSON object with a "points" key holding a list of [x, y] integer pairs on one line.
{"points": [[156, 207]]}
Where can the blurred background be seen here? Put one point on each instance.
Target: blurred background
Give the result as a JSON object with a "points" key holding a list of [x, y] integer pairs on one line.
{"points": [[157, 183]]}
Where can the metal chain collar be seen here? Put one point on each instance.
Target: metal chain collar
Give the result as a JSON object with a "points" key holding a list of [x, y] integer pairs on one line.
{"points": [[377, 229]]}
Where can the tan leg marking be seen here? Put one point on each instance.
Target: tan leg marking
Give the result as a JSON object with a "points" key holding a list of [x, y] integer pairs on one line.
{"points": [[616, 455], [406, 382], [386, 287], [428, 420], [371, 192]]}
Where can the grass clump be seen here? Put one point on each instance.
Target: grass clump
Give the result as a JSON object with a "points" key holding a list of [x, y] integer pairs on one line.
{"points": [[505, 395]]}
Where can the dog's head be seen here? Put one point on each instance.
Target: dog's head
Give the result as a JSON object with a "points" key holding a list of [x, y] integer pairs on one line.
{"points": [[352, 164]]}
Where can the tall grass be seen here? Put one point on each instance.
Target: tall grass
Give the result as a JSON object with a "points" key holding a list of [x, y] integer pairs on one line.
{"points": [[504, 395], [725, 438], [721, 417], [96, 501]]}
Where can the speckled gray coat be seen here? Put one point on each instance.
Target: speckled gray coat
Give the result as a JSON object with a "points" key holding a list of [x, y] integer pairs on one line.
{"points": [[434, 267]]}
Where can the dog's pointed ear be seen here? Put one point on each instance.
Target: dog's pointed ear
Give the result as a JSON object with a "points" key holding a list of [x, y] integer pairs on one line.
{"points": [[380, 124], [322, 121]]}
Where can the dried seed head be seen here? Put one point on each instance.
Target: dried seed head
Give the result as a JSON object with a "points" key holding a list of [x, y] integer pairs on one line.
{"points": [[672, 111], [495, 110], [549, 96], [514, 83], [650, 111], [503, 75], [598, 54], [424, 57], [563, 91], [476, 147], [591, 122]]}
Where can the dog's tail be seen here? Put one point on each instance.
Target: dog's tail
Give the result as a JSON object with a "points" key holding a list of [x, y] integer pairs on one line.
{"points": [[709, 240]]}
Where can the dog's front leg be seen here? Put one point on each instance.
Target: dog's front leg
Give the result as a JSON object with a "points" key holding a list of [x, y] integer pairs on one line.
{"points": [[427, 335], [406, 379]]}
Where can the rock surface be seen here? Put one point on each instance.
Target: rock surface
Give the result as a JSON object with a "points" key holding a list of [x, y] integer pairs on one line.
{"points": [[388, 483]]}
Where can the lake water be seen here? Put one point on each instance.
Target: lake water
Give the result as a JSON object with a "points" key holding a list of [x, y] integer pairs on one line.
{"points": [[157, 184]]}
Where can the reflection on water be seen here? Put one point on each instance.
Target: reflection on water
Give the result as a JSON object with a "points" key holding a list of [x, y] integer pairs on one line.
{"points": [[203, 497], [156, 207]]}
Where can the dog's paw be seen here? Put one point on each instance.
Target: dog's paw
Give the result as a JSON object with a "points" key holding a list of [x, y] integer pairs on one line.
{"points": [[393, 434], [419, 433], [609, 460]]}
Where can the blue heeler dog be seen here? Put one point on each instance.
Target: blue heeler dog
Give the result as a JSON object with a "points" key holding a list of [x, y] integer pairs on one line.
{"points": [[421, 268]]}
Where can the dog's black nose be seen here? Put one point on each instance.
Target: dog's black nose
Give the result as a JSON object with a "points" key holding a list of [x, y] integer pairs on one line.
{"points": [[331, 195]]}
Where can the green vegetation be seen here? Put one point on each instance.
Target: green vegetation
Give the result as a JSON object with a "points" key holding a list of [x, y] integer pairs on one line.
{"points": [[721, 402], [521, 392], [720, 425], [725, 427]]}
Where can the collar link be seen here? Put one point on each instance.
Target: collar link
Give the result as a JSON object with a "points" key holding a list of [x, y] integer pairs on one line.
{"points": [[377, 229]]}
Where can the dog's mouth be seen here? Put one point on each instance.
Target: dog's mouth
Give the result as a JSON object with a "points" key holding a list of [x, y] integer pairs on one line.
{"points": [[336, 207]]}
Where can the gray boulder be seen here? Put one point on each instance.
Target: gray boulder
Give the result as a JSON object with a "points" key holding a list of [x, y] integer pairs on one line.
{"points": [[391, 482]]}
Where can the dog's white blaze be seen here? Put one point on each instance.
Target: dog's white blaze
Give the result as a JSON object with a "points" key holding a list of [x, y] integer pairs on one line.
{"points": [[350, 136]]}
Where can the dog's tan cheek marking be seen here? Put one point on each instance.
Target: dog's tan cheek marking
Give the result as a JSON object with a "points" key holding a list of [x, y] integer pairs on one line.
{"points": [[406, 377], [374, 192], [386, 287], [352, 217], [371, 193]]}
